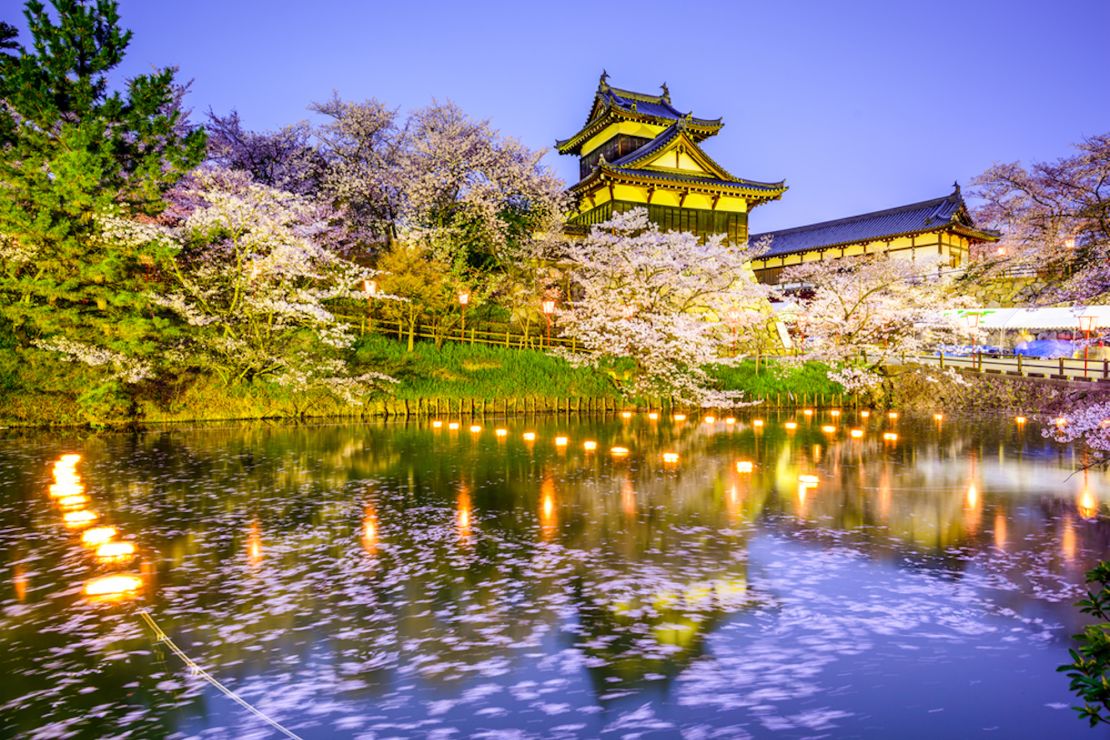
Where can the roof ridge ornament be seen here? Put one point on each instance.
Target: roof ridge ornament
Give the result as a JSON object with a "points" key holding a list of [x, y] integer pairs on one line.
{"points": [[666, 93], [956, 187], [603, 82]]}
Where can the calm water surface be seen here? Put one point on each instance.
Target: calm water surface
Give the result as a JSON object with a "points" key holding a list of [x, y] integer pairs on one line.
{"points": [[405, 581]]}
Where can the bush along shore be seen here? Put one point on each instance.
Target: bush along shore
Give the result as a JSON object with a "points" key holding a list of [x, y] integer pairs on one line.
{"points": [[453, 379]]}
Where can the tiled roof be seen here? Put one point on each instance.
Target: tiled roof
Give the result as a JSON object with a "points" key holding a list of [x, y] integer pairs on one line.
{"points": [[928, 215], [696, 180]]}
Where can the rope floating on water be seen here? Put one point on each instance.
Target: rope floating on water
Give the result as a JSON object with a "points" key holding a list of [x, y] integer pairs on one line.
{"points": [[198, 671]]}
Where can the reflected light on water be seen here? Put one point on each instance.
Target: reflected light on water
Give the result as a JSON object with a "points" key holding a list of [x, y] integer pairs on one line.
{"points": [[113, 587], [463, 514], [1087, 504], [501, 433], [548, 518], [76, 501], [19, 582], [1067, 540], [670, 458], [744, 466], [529, 436], [1000, 530], [65, 489], [254, 544], [589, 445], [370, 531], [972, 497], [791, 426], [711, 420], [561, 441], [115, 551], [628, 497], [619, 452], [856, 434], [79, 519]]}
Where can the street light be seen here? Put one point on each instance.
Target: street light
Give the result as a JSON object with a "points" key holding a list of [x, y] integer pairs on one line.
{"points": [[464, 300], [548, 311], [1086, 324]]}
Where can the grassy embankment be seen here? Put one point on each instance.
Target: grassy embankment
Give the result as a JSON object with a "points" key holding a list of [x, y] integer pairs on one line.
{"points": [[451, 379]]}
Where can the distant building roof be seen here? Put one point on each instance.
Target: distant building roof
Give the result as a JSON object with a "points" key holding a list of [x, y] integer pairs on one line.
{"points": [[949, 211]]}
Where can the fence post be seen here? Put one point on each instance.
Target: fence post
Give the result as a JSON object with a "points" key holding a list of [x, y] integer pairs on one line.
{"points": [[1062, 367], [1020, 371], [942, 359]]}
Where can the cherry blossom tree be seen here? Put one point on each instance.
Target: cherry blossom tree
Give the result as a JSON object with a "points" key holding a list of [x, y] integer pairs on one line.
{"points": [[860, 314], [1055, 217], [646, 305], [255, 280]]}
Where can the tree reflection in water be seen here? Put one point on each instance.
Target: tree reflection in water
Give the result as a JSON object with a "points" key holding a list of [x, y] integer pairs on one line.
{"points": [[398, 578]]}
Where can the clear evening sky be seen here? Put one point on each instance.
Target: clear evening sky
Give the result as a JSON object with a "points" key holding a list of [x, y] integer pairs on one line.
{"points": [[858, 105]]}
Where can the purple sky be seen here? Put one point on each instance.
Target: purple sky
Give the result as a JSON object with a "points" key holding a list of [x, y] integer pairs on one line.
{"points": [[858, 105]]}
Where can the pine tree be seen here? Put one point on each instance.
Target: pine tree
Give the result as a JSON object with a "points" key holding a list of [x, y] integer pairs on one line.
{"points": [[73, 152]]}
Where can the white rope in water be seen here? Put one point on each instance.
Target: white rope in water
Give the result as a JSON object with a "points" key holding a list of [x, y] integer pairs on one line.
{"points": [[197, 670]]}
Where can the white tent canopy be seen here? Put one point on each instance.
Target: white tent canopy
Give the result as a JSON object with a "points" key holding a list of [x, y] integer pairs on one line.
{"points": [[1039, 318]]}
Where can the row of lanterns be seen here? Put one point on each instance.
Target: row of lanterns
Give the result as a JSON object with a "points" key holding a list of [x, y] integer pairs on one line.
{"points": [[68, 493]]}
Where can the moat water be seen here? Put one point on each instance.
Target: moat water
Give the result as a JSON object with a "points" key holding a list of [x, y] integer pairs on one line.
{"points": [[401, 580]]}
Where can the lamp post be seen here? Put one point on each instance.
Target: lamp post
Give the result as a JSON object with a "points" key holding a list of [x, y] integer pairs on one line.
{"points": [[1086, 323], [370, 287], [464, 300], [548, 311], [972, 320]]}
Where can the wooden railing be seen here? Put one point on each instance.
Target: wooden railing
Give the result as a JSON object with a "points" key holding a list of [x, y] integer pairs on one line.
{"points": [[1064, 368], [501, 335]]}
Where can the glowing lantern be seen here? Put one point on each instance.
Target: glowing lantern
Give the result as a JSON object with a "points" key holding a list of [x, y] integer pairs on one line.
{"points": [[807, 412], [744, 466], [865, 414], [71, 459], [730, 420], [98, 535], [834, 413], [856, 433], [757, 423], [710, 420], [475, 428], [626, 414], [66, 489], [653, 415], [1019, 420], [618, 451], [1061, 422], [114, 586], [679, 417], [828, 429], [892, 414], [501, 432], [561, 441], [437, 424], [453, 426], [791, 425], [589, 445], [77, 519], [529, 436], [670, 458], [938, 417], [76, 501], [115, 551], [890, 436]]}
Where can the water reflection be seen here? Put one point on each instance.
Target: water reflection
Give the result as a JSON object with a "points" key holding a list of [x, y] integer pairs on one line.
{"points": [[401, 579]]}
